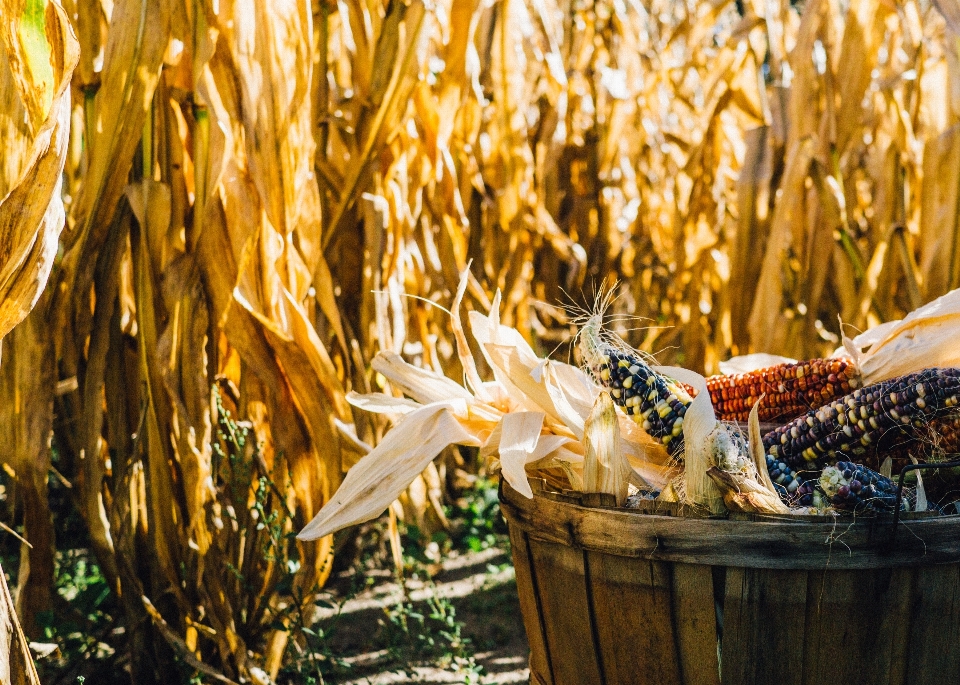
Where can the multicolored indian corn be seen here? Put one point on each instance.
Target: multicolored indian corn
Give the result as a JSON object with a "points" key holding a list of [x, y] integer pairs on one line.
{"points": [[854, 487], [789, 389], [938, 440], [654, 401], [867, 421], [786, 480]]}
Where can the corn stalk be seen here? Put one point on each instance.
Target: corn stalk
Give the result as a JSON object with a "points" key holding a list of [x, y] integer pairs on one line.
{"points": [[257, 194]]}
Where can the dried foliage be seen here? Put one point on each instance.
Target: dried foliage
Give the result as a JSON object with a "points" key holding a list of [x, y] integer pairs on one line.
{"points": [[255, 191]]}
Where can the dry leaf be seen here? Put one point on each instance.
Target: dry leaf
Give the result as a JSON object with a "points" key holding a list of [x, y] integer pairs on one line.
{"points": [[379, 477], [31, 214], [699, 429], [757, 452], [924, 339], [742, 493], [604, 466], [752, 362], [520, 433]]}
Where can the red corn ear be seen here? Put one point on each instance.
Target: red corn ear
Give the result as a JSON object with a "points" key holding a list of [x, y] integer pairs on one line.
{"points": [[790, 389]]}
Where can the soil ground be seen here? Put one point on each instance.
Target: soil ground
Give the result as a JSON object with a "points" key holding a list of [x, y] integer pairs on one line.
{"points": [[480, 587]]}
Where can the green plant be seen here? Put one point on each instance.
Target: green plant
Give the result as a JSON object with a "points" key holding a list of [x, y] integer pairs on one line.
{"points": [[427, 632], [478, 523], [84, 624], [310, 659]]}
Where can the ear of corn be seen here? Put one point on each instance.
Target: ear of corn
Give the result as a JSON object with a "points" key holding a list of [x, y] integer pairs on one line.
{"points": [[786, 480], [866, 421], [939, 440], [936, 441], [789, 389], [854, 487], [654, 401]]}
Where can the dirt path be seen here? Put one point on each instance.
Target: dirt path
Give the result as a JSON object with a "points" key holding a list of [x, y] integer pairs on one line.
{"points": [[481, 589]]}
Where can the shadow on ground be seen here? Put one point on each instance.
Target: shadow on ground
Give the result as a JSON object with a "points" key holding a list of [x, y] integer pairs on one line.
{"points": [[486, 631]]}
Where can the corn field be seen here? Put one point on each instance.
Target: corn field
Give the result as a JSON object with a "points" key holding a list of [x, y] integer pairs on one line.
{"points": [[256, 197]]}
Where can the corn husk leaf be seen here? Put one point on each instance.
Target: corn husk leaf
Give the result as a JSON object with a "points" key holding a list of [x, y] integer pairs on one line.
{"points": [[422, 385], [548, 445], [518, 369], [699, 426], [552, 449], [921, 490], [381, 403], [750, 490], [520, 433], [757, 453], [926, 338], [16, 662], [605, 469], [752, 362], [742, 493], [886, 468], [381, 476]]}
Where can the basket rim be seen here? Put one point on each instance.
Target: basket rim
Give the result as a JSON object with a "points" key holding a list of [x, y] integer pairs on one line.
{"points": [[802, 543]]}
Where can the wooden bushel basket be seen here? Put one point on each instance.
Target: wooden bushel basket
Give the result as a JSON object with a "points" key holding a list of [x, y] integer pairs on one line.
{"points": [[616, 597]]}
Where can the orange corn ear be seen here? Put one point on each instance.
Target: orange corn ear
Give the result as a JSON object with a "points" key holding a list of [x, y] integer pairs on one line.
{"points": [[791, 389]]}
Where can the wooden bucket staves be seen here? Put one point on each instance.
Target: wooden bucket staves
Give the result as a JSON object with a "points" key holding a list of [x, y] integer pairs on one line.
{"points": [[615, 597]]}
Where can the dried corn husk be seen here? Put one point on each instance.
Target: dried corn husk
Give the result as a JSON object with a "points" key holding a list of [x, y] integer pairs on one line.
{"points": [[536, 414], [16, 663], [379, 477], [604, 467], [749, 488], [924, 339], [700, 430], [745, 494], [752, 362], [757, 452], [520, 433]]}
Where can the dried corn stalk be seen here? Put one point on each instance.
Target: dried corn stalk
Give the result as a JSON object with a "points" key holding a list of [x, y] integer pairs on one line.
{"points": [[35, 126], [256, 189], [35, 121], [16, 662]]}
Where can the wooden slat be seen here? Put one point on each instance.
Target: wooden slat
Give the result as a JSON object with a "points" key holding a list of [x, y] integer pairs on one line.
{"points": [[695, 624], [862, 614], [607, 598], [720, 542], [935, 627], [894, 627], [632, 612], [530, 609], [763, 627], [566, 611]]}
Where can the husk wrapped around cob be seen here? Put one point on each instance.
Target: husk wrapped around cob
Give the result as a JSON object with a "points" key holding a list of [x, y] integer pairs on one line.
{"points": [[656, 428], [722, 468], [536, 416]]}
